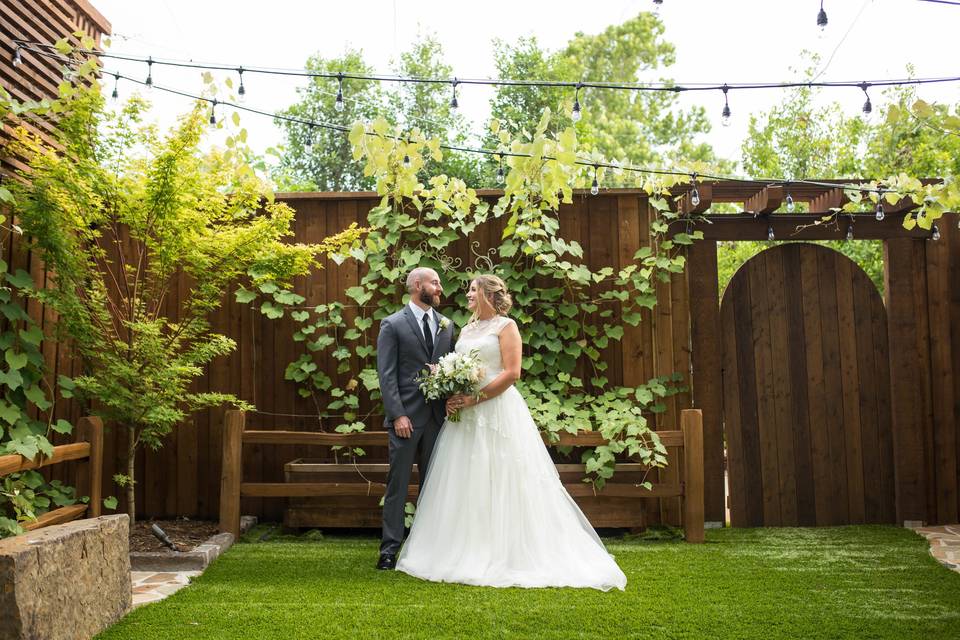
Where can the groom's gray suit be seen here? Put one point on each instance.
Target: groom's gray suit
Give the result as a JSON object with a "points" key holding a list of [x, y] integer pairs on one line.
{"points": [[401, 356]]}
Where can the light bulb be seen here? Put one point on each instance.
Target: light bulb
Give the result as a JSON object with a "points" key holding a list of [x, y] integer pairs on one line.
{"points": [[880, 214], [454, 104], [936, 233], [406, 161], [822, 18], [500, 176], [656, 6], [338, 105], [213, 115], [17, 56], [695, 197], [595, 187], [867, 106], [725, 114], [241, 90], [149, 80], [309, 141], [576, 114], [790, 205], [850, 231], [116, 79], [770, 235]]}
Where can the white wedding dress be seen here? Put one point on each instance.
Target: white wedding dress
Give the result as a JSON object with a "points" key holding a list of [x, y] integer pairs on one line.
{"points": [[493, 511]]}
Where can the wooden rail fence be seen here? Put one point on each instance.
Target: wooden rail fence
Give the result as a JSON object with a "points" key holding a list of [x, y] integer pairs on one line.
{"points": [[689, 487], [90, 450]]}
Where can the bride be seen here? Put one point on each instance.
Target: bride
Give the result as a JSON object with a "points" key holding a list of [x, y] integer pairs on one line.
{"points": [[492, 510]]}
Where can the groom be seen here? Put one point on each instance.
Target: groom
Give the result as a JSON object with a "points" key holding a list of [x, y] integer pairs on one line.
{"points": [[408, 340]]}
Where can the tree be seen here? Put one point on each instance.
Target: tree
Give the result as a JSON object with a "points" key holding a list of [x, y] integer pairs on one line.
{"points": [[123, 217], [320, 159], [640, 128], [327, 164]]}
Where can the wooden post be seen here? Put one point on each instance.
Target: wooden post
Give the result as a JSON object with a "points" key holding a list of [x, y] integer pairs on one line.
{"points": [[91, 429], [232, 472], [691, 422]]}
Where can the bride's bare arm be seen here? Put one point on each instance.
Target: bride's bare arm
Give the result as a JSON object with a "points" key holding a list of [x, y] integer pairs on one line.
{"points": [[511, 350]]}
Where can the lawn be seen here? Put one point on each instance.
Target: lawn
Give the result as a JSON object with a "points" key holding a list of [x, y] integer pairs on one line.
{"points": [[845, 582]]}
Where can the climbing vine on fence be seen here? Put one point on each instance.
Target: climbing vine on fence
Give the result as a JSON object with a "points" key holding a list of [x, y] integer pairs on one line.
{"points": [[567, 313]]}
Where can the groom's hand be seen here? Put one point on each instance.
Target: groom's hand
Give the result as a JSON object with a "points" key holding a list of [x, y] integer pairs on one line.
{"points": [[403, 427]]}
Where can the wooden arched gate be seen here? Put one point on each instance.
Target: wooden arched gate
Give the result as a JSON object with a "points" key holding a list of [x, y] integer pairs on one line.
{"points": [[806, 384]]}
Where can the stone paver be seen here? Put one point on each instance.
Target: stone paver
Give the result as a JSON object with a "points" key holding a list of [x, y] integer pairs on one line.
{"points": [[150, 586], [944, 544]]}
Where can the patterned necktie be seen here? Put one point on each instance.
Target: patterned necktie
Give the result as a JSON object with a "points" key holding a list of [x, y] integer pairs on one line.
{"points": [[428, 333]]}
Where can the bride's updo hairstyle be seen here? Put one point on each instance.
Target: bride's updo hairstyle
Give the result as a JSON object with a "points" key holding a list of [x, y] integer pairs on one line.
{"points": [[493, 292]]}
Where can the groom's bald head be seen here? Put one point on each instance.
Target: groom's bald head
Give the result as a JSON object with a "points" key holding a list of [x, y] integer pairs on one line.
{"points": [[420, 274], [424, 286]]}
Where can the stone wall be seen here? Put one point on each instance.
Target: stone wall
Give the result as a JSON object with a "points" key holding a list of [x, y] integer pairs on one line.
{"points": [[65, 581]]}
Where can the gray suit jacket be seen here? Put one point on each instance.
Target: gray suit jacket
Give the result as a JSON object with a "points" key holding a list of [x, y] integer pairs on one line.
{"points": [[401, 356]]}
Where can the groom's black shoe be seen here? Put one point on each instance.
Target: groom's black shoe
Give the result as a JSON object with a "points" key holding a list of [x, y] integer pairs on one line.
{"points": [[387, 561]]}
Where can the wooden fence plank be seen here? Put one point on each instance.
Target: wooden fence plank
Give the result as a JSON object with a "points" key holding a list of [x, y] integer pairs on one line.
{"points": [[850, 385]]}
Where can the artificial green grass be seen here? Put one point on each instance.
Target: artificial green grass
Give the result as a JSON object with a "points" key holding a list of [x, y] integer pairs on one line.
{"points": [[845, 582]]}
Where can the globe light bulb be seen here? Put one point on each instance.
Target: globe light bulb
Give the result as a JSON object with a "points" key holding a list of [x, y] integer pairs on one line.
{"points": [[850, 231], [595, 187], [880, 214], [822, 18], [241, 90], [770, 234], [338, 104], [790, 205], [936, 233], [695, 197]]}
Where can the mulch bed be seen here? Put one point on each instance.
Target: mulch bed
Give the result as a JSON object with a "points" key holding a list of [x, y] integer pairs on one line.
{"points": [[185, 534]]}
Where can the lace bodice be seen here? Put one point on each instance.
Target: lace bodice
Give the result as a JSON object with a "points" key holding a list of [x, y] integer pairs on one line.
{"points": [[484, 336]]}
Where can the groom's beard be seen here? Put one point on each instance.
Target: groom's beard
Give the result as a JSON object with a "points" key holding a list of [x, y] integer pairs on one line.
{"points": [[428, 298]]}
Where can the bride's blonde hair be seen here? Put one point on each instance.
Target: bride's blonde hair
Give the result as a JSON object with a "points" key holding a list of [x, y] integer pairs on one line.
{"points": [[493, 293]]}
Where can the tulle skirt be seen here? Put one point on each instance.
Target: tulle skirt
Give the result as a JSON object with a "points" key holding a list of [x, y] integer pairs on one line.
{"points": [[493, 511]]}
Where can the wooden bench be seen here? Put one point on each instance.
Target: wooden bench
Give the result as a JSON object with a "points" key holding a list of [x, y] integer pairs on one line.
{"points": [[90, 450], [358, 486]]}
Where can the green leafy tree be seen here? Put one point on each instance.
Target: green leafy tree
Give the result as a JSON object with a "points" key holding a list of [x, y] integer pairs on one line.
{"points": [[319, 159], [142, 233], [639, 128]]}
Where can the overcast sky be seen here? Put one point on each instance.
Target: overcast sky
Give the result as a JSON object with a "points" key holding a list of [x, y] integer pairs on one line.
{"points": [[716, 41]]}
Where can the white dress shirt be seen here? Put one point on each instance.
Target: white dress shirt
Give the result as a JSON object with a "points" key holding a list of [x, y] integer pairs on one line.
{"points": [[418, 314]]}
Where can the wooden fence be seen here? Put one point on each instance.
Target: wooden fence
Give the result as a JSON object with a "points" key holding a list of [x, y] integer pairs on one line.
{"points": [[91, 450], [326, 481], [682, 334]]}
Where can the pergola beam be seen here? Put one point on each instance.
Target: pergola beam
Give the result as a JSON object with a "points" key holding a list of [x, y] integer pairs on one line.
{"points": [[765, 201], [720, 227]]}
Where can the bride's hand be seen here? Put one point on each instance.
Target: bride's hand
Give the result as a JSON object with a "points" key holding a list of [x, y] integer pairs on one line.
{"points": [[459, 401]]}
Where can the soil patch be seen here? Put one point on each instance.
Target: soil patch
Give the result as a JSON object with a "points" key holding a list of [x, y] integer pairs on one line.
{"points": [[185, 534]]}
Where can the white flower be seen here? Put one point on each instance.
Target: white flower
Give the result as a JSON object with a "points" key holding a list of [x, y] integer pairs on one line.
{"points": [[444, 323]]}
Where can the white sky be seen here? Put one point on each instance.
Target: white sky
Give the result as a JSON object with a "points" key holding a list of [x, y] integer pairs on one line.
{"points": [[716, 41]]}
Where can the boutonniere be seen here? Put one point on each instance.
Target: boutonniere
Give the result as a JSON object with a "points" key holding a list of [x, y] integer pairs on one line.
{"points": [[444, 323]]}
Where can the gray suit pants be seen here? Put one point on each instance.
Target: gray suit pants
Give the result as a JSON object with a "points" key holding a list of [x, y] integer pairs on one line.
{"points": [[403, 452]]}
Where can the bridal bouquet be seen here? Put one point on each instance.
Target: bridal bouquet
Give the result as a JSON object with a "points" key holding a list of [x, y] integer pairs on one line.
{"points": [[454, 373]]}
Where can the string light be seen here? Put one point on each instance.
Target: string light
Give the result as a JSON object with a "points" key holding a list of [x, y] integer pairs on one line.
{"points": [[595, 186], [241, 91], [213, 114], [880, 214], [575, 114], [867, 106], [308, 143], [725, 115], [790, 205], [454, 104], [116, 81], [500, 176], [936, 233], [18, 56], [695, 196], [338, 104], [770, 234], [822, 18]]}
